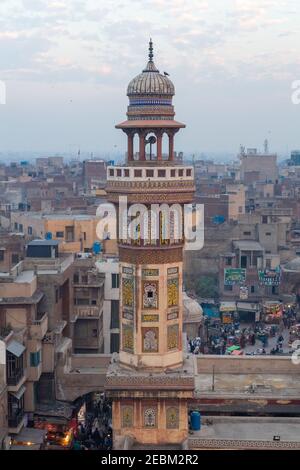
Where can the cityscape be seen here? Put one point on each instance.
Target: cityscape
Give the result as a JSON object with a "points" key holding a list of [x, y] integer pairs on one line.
{"points": [[150, 295]]}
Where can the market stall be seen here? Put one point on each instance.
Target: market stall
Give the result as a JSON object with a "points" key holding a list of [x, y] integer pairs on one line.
{"points": [[248, 312], [272, 311], [228, 312]]}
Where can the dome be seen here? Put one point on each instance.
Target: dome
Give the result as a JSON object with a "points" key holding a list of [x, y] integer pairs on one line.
{"points": [[150, 81]]}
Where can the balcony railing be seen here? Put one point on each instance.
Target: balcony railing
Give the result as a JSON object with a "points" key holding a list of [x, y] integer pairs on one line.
{"points": [[87, 311], [14, 421], [38, 328], [15, 379]]}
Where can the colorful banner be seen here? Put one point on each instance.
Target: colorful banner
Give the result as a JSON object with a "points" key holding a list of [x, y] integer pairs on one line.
{"points": [[270, 277], [234, 276]]}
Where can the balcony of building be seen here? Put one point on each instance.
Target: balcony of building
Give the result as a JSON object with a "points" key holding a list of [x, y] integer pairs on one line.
{"points": [[38, 328], [15, 370], [86, 312], [16, 416], [250, 254]]}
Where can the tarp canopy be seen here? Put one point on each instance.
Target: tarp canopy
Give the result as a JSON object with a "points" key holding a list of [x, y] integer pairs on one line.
{"points": [[233, 348], [247, 306], [237, 352], [15, 348], [19, 393]]}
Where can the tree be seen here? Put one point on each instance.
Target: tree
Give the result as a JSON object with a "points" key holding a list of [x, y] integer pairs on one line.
{"points": [[207, 287]]}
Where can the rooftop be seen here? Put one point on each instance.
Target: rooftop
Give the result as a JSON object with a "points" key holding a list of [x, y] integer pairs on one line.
{"points": [[248, 245]]}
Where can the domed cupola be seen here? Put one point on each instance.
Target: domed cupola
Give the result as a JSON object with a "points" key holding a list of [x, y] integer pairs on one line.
{"points": [[150, 94]]}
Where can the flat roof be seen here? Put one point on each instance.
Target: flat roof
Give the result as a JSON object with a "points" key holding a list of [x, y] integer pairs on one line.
{"points": [[249, 428], [249, 245], [39, 242]]}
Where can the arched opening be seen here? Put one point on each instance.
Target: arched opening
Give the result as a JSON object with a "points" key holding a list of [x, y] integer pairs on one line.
{"points": [[151, 146], [165, 146], [135, 146]]}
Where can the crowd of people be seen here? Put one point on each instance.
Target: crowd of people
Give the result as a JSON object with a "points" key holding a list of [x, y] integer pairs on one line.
{"points": [[95, 433], [219, 338]]}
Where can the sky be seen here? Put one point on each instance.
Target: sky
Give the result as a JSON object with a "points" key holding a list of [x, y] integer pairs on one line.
{"points": [[66, 64]]}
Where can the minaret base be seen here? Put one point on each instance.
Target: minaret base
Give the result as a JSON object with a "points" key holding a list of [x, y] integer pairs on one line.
{"points": [[150, 408]]}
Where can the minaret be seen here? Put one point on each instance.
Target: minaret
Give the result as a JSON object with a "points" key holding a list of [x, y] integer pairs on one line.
{"points": [[152, 380]]}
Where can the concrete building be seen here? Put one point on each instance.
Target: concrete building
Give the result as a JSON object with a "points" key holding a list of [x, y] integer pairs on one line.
{"points": [[236, 200], [75, 232], [12, 249], [88, 295], [256, 166], [24, 323]]}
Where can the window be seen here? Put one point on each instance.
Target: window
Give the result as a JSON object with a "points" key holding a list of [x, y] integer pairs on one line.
{"points": [[84, 236], [252, 289], [84, 279], [35, 358], [227, 288], [138, 173], [15, 258], [76, 278], [173, 173], [114, 322], [21, 227], [115, 281], [56, 295], [111, 172], [126, 173], [180, 172], [16, 226], [268, 263], [29, 230], [268, 234], [264, 219], [119, 172], [81, 301], [188, 172], [247, 234], [1, 255], [241, 209], [228, 261], [59, 234], [161, 173], [149, 173], [60, 292]]}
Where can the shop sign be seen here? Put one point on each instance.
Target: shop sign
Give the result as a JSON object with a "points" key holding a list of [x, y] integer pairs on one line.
{"points": [[233, 276]]}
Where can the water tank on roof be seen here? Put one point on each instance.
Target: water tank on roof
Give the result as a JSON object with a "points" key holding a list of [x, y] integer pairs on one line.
{"points": [[48, 236], [97, 248], [218, 219], [195, 421]]}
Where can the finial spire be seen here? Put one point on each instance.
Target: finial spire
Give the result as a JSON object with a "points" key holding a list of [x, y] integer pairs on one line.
{"points": [[150, 50]]}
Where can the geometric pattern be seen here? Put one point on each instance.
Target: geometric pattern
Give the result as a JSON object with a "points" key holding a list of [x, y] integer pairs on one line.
{"points": [[173, 337], [128, 291], [172, 418], [127, 416], [150, 339], [173, 292]]}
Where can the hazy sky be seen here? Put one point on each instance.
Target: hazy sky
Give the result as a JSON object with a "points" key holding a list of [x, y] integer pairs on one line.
{"points": [[67, 63]]}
